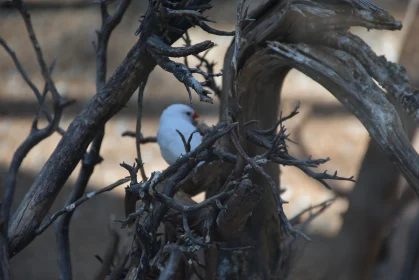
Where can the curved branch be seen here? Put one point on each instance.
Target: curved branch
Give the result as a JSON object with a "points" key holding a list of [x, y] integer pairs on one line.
{"points": [[389, 75], [349, 82], [161, 48]]}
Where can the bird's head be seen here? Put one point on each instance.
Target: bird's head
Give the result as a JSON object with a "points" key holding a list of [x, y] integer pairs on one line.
{"points": [[180, 111]]}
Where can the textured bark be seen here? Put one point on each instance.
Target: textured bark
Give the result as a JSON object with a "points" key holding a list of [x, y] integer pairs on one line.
{"points": [[260, 77], [259, 87], [347, 79]]}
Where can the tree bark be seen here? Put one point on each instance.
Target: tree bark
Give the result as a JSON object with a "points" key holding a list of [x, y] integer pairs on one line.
{"points": [[259, 94], [260, 79]]}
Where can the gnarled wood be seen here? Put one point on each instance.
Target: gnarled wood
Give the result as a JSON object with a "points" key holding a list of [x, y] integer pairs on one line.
{"points": [[346, 78]]}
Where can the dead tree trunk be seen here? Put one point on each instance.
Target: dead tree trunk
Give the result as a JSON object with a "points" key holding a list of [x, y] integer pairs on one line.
{"points": [[259, 94], [260, 81]]}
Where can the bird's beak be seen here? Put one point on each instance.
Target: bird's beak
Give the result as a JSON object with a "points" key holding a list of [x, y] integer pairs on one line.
{"points": [[195, 116]]}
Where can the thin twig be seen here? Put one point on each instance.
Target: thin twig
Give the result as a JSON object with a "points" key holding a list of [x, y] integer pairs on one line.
{"points": [[212, 30], [39, 55], [143, 140], [138, 135], [35, 136], [297, 218], [73, 206], [29, 82]]}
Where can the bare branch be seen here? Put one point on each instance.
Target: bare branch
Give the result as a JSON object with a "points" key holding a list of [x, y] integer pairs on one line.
{"points": [[280, 121], [359, 93], [187, 13], [28, 81], [185, 144], [209, 74], [44, 68], [184, 75], [158, 47], [92, 157], [107, 102], [325, 204], [33, 139], [211, 30], [138, 135], [74, 205], [143, 140], [389, 75], [170, 202], [130, 199]]}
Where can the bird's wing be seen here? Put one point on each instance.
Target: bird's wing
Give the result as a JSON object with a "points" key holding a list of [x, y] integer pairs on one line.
{"points": [[167, 142]]}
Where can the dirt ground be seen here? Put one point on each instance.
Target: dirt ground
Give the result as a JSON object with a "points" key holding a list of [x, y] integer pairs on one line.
{"points": [[323, 128]]}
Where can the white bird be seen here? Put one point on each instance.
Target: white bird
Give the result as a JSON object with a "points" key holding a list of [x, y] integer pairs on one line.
{"points": [[177, 117]]}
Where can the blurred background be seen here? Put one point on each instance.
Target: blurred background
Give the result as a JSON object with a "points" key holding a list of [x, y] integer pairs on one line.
{"points": [[322, 129]]}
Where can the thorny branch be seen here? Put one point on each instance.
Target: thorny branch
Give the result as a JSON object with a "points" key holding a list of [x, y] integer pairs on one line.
{"points": [[155, 202], [297, 218], [170, 177], [210, 81], [184, 75], [142, 139], [109, 100], [161, 52]]}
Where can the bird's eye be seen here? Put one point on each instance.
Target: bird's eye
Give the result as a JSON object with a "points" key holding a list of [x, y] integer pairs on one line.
{"points": [[189, 113]]}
